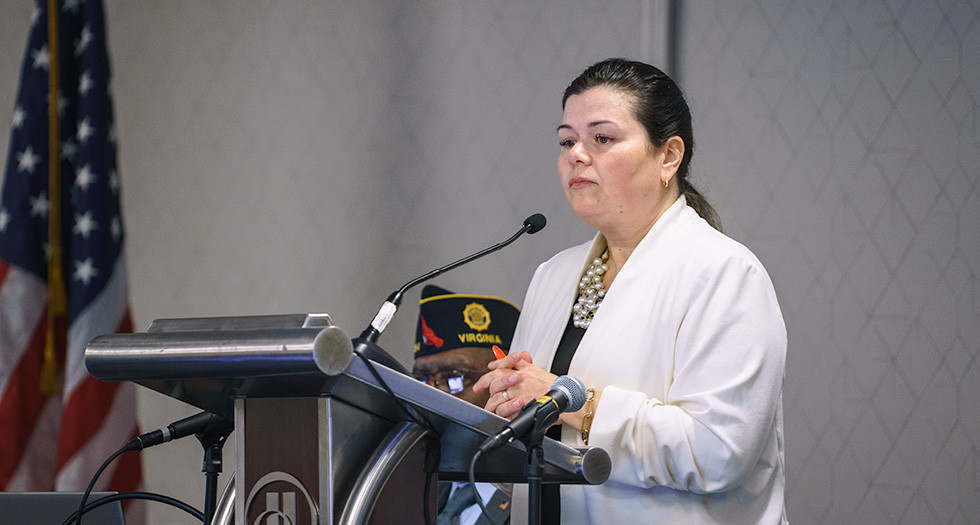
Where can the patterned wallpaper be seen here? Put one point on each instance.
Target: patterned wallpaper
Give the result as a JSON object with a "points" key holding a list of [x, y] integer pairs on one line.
{"points": [[840, 141]]}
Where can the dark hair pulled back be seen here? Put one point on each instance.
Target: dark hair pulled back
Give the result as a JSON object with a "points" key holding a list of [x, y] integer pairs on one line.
{"points": [[659, 106]]}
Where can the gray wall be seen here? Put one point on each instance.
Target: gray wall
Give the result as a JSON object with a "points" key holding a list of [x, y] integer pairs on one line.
{"points": [[840, 142], [313, 157]]}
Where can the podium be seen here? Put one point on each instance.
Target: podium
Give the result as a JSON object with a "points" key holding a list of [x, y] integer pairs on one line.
{"points": [[324, 435]]}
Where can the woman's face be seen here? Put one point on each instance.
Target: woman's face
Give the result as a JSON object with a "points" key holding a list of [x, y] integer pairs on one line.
{"points": [[611, 173]]}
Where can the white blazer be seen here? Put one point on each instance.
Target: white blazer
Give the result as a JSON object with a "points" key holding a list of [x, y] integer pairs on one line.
{"points": [[688, 349]]}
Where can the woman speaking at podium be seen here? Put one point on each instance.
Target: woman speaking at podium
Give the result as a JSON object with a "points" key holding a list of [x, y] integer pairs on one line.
{"points": [[673, 327]]}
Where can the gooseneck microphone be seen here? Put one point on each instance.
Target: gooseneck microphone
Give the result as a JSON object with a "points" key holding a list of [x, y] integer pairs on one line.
{"points": [[532, 224], [567, 394], [195, 424]]}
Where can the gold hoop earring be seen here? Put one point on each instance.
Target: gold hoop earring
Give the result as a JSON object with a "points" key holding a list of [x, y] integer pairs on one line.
{"points": [[666, 182]]}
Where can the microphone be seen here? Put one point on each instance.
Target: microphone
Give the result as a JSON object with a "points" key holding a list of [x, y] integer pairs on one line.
{"points": [[567, 394], [195, 424], [532, 224], [535, 223]]}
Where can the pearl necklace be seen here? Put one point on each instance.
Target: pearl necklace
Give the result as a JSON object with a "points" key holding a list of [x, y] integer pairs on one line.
{"points": [[590, 292]]}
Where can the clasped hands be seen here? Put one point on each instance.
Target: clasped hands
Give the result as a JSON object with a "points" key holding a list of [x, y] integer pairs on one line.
{"points": [[513, 382]]}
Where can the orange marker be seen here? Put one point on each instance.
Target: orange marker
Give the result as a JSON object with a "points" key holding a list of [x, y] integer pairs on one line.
{"points": [[498, 352]]}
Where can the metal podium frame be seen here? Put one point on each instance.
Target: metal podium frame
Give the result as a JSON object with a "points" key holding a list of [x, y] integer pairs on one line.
{"points": [[295, 377]]}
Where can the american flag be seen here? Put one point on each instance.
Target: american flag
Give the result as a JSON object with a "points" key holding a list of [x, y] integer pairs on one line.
{"points": [[57, 429]]}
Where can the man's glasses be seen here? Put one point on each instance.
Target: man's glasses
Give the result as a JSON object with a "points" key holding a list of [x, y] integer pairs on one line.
{"points": [[453, 380]]}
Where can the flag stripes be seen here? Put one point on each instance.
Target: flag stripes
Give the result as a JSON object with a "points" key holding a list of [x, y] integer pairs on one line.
{"points": [[64, 170]]}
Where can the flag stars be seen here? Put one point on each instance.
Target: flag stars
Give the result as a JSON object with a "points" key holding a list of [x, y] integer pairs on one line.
{"points": [[84, 224], [62, 104], [41, 58], [85, 271], [71, 5], [85, 130], [90, 222], [84, 177], [39, 205], [69, 150], [115, 227], [83, 41], [27, 160], [19, 116], [85, 83]]}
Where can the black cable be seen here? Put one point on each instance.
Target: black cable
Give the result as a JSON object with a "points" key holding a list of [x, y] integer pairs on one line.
{"points": [[91, 484], [479, 499], [134, 445], [150, 496], [418, 418], [415, 418], [426, 511]]}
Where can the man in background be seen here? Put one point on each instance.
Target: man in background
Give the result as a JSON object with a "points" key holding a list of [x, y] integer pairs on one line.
{"points": [[454, 341]]}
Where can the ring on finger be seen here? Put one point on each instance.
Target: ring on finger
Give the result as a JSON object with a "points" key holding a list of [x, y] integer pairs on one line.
{"points": [[506, 397]]}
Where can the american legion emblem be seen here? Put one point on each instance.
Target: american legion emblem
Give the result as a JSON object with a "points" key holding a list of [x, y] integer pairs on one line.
{"points": [[476, 316]]}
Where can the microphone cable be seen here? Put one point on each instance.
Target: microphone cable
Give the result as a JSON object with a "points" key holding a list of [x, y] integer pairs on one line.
{"points": [[567, 393], [426, 492], [88, 490], [415, 417], [150, 496], [194, 424], [476, 493]]}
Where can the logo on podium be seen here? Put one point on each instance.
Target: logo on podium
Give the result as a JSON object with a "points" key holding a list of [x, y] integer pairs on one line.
{"points": [[273, 501]]}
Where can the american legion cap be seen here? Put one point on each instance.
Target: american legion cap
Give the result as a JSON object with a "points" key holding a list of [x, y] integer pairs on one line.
{"points": [[449, 320]]}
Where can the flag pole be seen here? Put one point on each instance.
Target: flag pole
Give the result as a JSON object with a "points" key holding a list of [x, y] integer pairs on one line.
{"points": [[57, 306]]}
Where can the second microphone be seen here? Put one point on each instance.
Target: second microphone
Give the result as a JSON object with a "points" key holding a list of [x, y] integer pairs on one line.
{"points": [[567, 394]]}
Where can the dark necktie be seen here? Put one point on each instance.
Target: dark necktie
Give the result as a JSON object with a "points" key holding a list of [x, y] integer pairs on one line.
{"points": [[461, 499]]}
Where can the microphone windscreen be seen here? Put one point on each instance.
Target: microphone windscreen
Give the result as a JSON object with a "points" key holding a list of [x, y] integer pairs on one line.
{"points": [[535, 223], [574, 388]]}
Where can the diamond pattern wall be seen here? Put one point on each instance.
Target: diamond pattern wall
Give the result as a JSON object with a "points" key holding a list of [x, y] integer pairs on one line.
{"points": [[840, 142]]}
